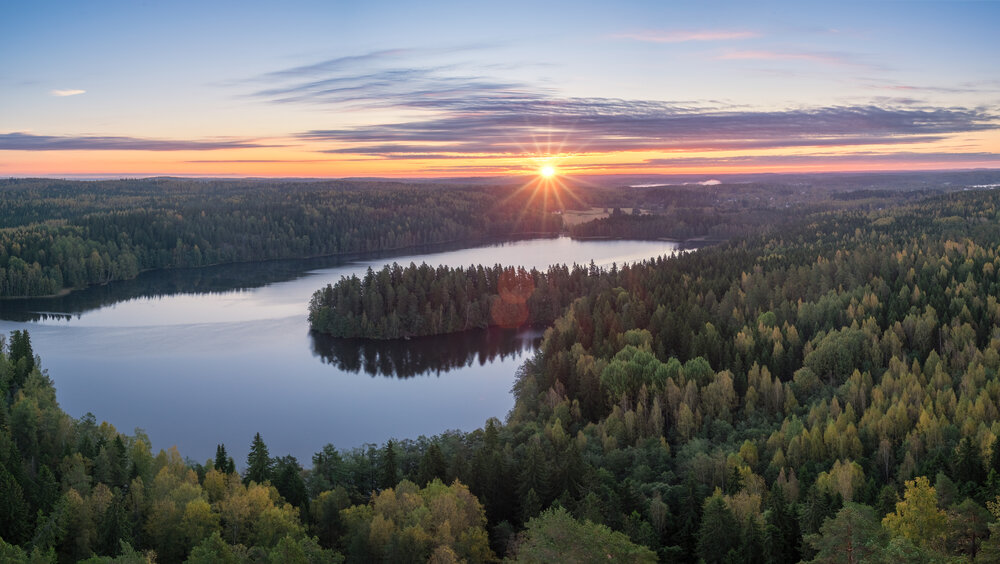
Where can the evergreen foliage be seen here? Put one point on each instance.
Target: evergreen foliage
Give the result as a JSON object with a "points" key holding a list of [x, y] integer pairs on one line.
{"points": [[824, 389]]}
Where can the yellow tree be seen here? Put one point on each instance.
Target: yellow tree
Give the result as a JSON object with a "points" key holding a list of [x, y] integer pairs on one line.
{"points": [[917, 516], [407, 520]]}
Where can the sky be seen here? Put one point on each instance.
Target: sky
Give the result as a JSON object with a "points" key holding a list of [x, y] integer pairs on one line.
{"points": [[456, 89]]}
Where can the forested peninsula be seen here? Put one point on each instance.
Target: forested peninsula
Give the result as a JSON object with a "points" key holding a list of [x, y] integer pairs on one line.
{"points": [[821, 389]]}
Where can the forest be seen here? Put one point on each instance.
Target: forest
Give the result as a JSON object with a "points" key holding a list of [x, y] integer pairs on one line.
{"points": [[418, 301], [822, 389], [57, 235]]}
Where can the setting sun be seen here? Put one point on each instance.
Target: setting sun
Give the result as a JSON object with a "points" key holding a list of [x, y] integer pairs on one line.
{"points": [[547, 171]]}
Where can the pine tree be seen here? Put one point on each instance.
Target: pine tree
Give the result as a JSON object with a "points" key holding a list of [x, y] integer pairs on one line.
{"points": [[968, 465], [995, 455], [735, 482], [432, 466], [115, 527], [782, 529], [752, 549], [21, 355], [288, 481], [223, 462], [14, 511], [717, 535], [118, 466], [531, 505], [388, 469], [258, 462], [689, 516], [47, 490]]}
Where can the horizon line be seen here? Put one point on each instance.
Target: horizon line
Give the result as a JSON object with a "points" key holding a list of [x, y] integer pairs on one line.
{"points": [[496, 176]]}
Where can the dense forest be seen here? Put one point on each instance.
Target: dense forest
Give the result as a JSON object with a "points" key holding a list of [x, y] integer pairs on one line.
{"points": [[823, 389], [678, 223], [57, 235], [62, 234], [416, 301]]}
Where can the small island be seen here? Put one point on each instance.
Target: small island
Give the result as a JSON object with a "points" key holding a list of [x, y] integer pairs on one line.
{"points": [[415, 301]]}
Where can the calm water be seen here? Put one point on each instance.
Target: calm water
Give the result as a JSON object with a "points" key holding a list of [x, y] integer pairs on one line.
{"points": [[199, 357]]}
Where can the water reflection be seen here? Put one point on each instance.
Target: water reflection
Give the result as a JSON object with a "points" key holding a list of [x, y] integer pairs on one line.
{"points": [[209, 280], [226, 332], [424, 355]]}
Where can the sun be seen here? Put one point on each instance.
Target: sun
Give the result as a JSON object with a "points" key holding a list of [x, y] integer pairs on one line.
{"points": [[547, 171]]}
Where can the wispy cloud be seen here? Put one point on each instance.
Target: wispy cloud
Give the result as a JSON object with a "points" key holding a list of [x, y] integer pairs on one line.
{"points": [[217, 161], [30, 142], [860, 157], [961, 88], [336, 64], [461, 114], [503, 127], [827, 58], [64, 93], [682, 36], [858, 160]]}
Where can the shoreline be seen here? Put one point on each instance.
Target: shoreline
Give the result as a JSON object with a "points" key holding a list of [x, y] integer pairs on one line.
{"points": [[386, 253]]}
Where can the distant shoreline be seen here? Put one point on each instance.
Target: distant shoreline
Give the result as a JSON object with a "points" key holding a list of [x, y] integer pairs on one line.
{"points": [[387, 253]]}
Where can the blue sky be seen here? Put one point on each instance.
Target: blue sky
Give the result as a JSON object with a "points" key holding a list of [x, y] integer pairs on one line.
{"points": [[455, 88]]}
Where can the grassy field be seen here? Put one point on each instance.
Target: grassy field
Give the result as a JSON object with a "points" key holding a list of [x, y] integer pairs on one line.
{"points": [[576, 217]]}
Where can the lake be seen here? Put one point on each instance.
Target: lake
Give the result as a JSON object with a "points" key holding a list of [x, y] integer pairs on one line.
{"points": [[213, 355]]}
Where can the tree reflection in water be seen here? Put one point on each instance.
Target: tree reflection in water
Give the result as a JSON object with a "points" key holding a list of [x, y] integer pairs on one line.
{"points": [[424, 355]]}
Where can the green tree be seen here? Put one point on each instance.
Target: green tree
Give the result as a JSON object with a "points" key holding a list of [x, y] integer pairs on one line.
{"points": [[288, 481], [717, 537], [967, 527], [782, 530], [259, 462], [555, 536], [14, 510], [853, 536], [212, 550], [968, 467], [432, 465], [223, 462], [388, 467]]}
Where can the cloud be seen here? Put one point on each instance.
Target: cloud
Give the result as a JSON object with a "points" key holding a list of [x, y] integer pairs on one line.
{"points": [[230, 161], [364, 61], [963, 88], [682, 36], [826, 58], [334, 65], [859, 157], [64, 93], [29, 142], [505, 127], [458, 113]]}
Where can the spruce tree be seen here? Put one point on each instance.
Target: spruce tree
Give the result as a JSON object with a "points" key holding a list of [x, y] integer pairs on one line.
{"points": [[782, 529], [719, 532], [388, 470], [752, 543], [14, 510], [432, 465], [223, 462], [288, 481], [995, 455], [258, 462]]}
